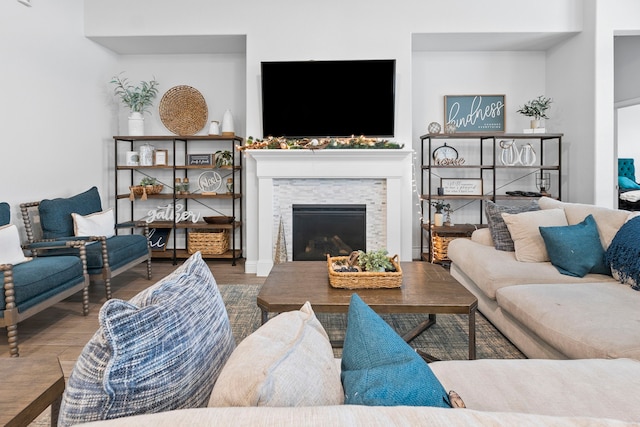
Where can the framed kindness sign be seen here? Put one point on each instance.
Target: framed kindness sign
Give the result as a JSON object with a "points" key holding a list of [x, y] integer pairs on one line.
{"points": [[475, 113]]}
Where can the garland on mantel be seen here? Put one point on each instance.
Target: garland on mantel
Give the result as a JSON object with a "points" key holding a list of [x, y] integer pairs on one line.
{"points": [[282, 143]]}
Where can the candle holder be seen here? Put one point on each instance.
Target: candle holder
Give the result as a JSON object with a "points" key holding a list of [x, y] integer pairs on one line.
{"points": [[543, 182]]}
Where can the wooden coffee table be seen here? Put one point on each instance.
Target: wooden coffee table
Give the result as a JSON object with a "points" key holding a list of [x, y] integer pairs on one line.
{"points": [[28, 386], [426, 288]]}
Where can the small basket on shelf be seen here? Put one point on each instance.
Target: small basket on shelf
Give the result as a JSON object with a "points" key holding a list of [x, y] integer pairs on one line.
{"points": [[208, 242], [364, 279], [143, 191]]}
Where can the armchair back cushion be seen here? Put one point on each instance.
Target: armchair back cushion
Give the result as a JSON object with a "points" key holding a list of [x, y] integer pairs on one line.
{"points": [[627, 169], [55, 214], [5, 213]]}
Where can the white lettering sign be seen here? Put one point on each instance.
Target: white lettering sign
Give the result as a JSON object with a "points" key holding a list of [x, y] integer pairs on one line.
{"points": [[166, 213]]}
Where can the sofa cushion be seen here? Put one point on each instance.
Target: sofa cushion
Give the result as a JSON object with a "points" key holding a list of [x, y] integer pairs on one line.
{"points": [[575, 250], [161, 350], [491, 270], [41, 278], [10, 249], [499, 232], [288, 361], [590, 387], [122, 249], [55, 214], [623, 255], [95, 224], [587, 320], [608, 220], [525, 232], [379, 368]]}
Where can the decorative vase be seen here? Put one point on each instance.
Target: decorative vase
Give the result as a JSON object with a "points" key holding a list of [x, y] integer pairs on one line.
{"points": [[438, 219], [535, 124], [214, 128], [227, 124], [136, 124]]}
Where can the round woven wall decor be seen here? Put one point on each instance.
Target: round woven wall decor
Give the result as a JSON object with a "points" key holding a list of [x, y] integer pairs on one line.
{"points": [[183, 110]]}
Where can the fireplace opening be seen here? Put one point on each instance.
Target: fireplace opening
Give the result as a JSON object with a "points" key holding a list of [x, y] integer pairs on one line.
{"points": [[319, 230]]}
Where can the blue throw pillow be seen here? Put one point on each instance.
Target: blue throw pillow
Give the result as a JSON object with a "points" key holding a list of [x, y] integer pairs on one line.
{"points": [[627, 183], [623, 254], [159, 351], [55, 214], [575, 250], [5, 213], [380, 369]]}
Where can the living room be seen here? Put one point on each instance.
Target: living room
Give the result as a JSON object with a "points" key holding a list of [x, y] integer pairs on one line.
{"points": [[559, 49], [62, 114]]}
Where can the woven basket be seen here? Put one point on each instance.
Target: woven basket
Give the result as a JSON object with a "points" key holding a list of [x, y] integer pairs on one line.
{"points": [[144, 190], [183, 110], [208, 242], [364, 279], [440, 247]]}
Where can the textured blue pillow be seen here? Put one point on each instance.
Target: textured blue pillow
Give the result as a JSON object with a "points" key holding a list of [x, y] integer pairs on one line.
{"points": [[627, 183], [380, 369], [623, 254], [575, 250], [161, 350], [55, 214]]}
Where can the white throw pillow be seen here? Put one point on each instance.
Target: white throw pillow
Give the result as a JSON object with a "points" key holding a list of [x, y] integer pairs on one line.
{"points": [[286, 362], [10, 249], [525, 232], [95, 224]]}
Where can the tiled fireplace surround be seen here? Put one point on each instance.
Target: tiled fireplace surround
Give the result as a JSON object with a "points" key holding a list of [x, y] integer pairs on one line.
{"points": [[276, 179]]}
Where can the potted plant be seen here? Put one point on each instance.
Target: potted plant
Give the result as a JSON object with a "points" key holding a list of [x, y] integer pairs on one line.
{"points": [[137, 98], [440, 206], [375, 261], [537, 109], [224, 159]]}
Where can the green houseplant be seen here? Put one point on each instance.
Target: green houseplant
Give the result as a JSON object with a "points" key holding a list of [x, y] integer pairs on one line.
{"points": [[536, 109], [137, 98], [224, 159], [375, 261]]}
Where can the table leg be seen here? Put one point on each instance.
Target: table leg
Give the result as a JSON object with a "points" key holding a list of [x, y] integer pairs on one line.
{"points": [[409, 336], [55, 411], [472, 334]]}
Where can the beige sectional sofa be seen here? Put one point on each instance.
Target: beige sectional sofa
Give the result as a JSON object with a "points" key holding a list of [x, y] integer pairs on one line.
{"points": [[547, 314]]}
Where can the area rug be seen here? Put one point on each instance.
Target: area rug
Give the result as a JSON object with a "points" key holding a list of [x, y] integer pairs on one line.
{"points": [[446, 340]]}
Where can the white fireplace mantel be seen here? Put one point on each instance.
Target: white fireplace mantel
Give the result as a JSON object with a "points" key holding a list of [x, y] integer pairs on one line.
{"points": [[265, 166]]}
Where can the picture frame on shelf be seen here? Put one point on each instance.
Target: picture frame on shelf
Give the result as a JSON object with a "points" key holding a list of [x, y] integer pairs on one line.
{"points": [[200, 159], [161, 158], [461, 186], [475, 113]]}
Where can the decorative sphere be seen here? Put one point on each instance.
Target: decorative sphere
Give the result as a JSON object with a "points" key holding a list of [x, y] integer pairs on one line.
{"points": [[434, 127], [450, 128]]}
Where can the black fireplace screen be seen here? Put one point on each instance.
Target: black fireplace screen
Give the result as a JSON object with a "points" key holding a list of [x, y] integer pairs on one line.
{"points": [[319, 230]]}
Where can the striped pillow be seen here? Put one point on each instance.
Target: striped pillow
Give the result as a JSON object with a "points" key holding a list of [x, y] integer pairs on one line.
{"points": [[162, 350]]}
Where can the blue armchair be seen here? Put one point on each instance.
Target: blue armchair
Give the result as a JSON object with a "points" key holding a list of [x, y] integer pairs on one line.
{"points": [[31, 285], [109, 257], [627, 182]]}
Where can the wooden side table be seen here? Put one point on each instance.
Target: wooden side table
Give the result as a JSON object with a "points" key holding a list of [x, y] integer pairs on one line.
{"points": [[28, 386]]}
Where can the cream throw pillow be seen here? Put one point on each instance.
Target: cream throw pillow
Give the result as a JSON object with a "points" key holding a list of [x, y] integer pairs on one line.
{"points": [[10, 249], [525, 232], [95, 224], [287, 362]]}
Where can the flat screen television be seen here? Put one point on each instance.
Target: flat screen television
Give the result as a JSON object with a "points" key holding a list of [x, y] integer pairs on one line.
{"points": [[305, 99]]}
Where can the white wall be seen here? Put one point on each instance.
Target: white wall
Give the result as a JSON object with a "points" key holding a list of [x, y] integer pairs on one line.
{"points": [[629, 134], [55, 107]]}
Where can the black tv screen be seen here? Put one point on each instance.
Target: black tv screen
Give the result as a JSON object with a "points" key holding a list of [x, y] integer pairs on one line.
{"points": [[320, 99]]}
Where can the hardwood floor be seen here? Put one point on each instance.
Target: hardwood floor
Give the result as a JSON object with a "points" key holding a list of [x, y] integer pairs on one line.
{"points": [[62, 331]]}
